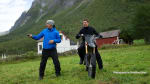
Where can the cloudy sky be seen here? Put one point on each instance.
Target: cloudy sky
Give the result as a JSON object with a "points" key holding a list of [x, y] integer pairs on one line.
{"points": [[10, 11]]}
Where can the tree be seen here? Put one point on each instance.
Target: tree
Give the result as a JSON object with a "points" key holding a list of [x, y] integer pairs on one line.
{"points": [[126, 35], [142, 23]]}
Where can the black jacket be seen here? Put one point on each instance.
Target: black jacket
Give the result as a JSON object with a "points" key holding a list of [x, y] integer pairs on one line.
{"points": [[87, 30]]}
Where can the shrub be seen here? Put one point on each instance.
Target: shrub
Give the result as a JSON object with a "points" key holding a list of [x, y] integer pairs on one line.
{"points": [[30, 55], [114, 46]]}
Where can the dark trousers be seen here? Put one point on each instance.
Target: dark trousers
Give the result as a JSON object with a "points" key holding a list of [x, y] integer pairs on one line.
{"points": [[81, 53], [49, 53]]}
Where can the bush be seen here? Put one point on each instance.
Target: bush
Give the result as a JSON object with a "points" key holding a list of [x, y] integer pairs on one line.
{"points": [[26, 56], [30, 55], [71, 52], [114, 46], [141, 23]]}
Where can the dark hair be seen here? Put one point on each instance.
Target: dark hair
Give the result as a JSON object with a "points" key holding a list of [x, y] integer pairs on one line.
{"points": [[86, 20]]}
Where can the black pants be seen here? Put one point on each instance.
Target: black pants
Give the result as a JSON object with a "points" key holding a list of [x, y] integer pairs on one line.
{"points": [[81, 52], [49, 53]]}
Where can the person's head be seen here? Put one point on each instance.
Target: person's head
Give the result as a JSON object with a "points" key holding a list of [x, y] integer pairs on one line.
{"points": [[85, 23], [50, 23]]}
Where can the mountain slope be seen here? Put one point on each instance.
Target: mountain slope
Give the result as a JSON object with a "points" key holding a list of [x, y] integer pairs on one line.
{"points": [[68, 15]]}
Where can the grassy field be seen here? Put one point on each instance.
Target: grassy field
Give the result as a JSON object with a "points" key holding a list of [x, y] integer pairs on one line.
{"points": [[132, 58]]}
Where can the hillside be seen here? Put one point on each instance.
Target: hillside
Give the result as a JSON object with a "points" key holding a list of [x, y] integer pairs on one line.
{"points": [[72, 73], [68, 15]]}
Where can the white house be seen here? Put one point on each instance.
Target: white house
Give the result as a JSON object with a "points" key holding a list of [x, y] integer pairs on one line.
{"points": [[65, 45]]}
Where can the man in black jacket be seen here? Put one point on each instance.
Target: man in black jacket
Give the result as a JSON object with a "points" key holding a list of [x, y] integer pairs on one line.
{"points": [[81, 50]]}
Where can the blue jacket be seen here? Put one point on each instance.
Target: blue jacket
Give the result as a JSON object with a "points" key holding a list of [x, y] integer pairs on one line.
{"points": [[48, 34]]}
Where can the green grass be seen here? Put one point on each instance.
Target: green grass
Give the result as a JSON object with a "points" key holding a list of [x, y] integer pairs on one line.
{"points": [[139, 42], [134, 58]]}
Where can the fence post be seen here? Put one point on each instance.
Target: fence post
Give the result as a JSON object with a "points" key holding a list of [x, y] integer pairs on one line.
{"points": [[5, 56]]}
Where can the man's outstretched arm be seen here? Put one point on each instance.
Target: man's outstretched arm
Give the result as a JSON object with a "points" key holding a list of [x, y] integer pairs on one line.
{"points": [[36, 37], [97, 34]]}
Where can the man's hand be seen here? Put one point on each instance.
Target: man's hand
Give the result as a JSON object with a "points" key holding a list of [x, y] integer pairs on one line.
{"points": [[82, 34], [51, 41], [29, 35], [100, 36]]}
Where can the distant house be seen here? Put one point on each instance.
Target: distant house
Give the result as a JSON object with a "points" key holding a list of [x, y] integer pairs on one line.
{"points": [[109, 37], [65, 45]]}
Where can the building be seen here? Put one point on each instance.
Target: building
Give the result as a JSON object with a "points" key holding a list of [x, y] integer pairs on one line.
{"points": [[65, 45], [109, 37]]}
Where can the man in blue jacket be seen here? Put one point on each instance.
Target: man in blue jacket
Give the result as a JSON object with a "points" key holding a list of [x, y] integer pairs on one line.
{"points": [[51, 37]]}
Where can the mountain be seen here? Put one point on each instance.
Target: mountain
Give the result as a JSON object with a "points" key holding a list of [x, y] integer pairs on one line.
{"points": [[21, 21], [42, 8], [68, 15]]}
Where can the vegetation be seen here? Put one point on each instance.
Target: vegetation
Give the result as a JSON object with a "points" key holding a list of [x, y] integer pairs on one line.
{"points": [[103, 15], [141, 23], [20, 58]]}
